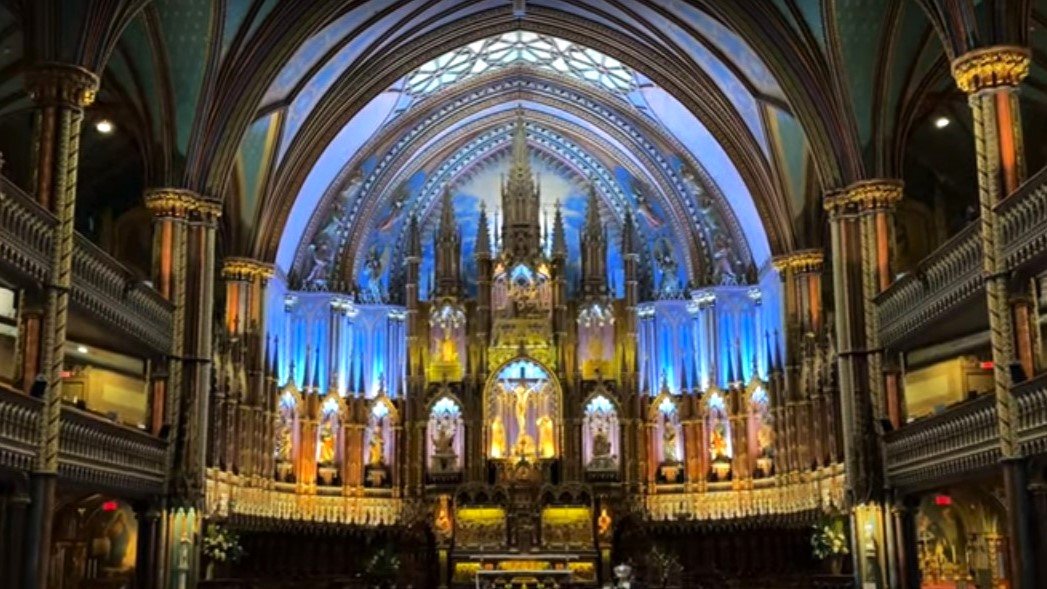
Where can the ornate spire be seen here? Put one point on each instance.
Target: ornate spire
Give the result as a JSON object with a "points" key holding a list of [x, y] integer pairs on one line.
{"points": [[414, 239], [559, 246], [594, 248], [629, 234], [521, 221], [483, 234], [447, 248]]}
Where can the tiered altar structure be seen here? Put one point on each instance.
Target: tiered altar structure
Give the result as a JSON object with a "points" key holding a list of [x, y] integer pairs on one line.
{"points": [[526, 425]]}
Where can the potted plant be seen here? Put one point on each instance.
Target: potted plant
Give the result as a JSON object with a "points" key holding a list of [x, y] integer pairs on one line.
{"points": [[383, 566], [664, 567], [221, 545], [829, 543]]}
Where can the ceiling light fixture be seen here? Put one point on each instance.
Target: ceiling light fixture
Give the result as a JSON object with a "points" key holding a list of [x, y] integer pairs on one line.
{"points": [[81, 349], [104, 126], [941, 122]]}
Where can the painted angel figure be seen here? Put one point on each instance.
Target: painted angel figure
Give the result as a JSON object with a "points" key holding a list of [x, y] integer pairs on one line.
{"points": [[374, 266], [723, 264], [666, 262]]}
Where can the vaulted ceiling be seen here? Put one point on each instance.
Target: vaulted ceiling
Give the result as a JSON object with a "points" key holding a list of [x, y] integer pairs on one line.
{"points": [[269, 103]]}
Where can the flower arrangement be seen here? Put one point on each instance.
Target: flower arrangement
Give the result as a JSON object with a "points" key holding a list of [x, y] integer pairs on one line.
{"points": [[222, 544], [829, 539]]}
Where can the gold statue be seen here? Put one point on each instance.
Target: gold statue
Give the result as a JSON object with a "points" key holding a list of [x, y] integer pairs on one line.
{"points": [[524, 443], [546, 445], [497, 437], [448, 349], [718, 441], [376, 451], [327, 441]]}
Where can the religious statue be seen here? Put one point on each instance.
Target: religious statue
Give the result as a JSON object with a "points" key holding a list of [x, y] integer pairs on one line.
{"points": [[522, 398], [443, 439], [282, 452], [376, 451], [718, 442], [326, 451], [669, 450], [497, 437], [546, 444], [601, 443], [448, 349]]}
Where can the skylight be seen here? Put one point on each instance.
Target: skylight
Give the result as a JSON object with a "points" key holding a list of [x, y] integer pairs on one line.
{"points": [[521, 48]]}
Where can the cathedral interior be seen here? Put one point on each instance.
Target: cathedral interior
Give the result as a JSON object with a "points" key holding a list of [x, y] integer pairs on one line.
{"points": [[511, 294]]}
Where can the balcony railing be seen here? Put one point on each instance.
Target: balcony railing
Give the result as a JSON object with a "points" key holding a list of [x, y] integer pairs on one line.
{"points": [[942, 281], [965, 437], [1023, 219], [101, 284], [1032, 415], [951, 275], [962, 438], [92, 449]]}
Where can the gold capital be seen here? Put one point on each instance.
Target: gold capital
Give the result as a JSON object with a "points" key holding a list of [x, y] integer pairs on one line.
{"points": [[170, 202], [991, 67], [61, 84], [800, 261], [875, 194], [246, 269]]}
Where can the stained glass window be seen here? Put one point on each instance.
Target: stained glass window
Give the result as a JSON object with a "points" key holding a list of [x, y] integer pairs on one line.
{"points": [[522, 48]]}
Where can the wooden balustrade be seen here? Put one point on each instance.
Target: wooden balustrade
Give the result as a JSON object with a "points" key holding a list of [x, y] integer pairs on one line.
{"points": [[102, 286], [92, 449]]}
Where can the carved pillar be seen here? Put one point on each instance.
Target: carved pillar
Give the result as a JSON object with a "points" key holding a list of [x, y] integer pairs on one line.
{"points": [[60, 93], [876, 200], [990, 77], [170, 208], [199, 321]]}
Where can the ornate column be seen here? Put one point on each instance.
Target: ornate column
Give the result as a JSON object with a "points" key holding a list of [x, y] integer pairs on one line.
{"points": [[60, 93], [876, 200], [197, 360], [990, 76], [863, 484], [170, 208], [245, 281]]}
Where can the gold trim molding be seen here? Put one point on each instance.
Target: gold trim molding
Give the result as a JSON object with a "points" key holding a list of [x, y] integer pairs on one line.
{"points": [[245, 269], [991, 67], [800, 261]]}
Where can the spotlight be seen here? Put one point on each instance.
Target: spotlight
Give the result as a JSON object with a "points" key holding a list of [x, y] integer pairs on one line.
{"points": [[81, 349], [104, 126], [941, 122]]}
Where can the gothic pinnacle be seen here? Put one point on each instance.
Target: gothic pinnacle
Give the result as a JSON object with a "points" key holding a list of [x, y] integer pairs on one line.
{"points": [[483, 236]]}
